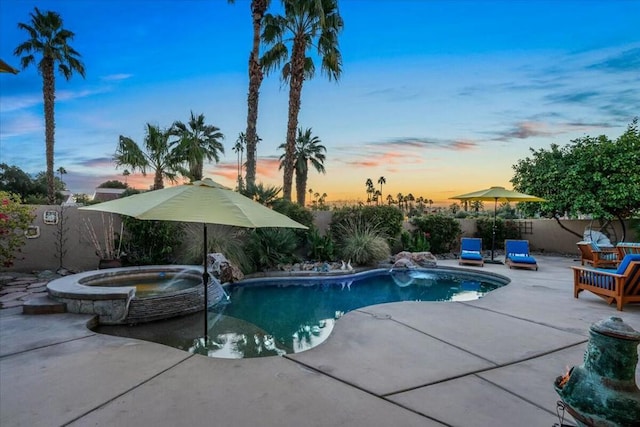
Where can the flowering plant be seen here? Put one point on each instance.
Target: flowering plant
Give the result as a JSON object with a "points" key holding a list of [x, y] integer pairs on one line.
{"points": [[15, 219]]}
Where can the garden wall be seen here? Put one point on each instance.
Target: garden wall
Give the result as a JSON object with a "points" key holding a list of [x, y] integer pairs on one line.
{"points": [[40, 253]]}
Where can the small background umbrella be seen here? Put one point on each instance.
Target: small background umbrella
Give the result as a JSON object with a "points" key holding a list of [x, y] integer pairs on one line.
{"points": [[206, 202], [497, 194]]}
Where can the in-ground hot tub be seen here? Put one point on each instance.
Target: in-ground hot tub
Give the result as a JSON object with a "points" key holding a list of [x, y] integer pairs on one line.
{"points": [[135, 294]]}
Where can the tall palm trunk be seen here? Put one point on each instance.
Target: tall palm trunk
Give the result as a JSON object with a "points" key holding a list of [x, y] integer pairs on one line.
{"points": [[158, 183], [301, 187], [258, 9], [48, 91], [196, 170], [295, 91]]}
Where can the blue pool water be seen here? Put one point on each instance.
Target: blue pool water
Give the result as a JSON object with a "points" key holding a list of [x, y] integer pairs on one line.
{"points": [[285, 315]]}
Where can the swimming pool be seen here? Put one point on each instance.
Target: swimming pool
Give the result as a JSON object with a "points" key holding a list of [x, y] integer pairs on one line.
{"points": [[268, 317]]}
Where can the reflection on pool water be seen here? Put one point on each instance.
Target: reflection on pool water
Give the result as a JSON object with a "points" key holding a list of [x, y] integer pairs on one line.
{"points": [[289, 315]]}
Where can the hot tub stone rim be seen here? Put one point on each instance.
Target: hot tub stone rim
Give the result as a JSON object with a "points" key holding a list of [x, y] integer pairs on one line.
{"points": [[71, 286]]}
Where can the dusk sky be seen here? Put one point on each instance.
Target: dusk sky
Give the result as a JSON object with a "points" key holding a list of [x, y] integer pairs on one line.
{"points": [[439, 97]]}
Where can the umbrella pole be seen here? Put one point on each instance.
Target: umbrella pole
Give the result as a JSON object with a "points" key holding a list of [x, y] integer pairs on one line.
{"points": [[205, 282], [493, 237]]}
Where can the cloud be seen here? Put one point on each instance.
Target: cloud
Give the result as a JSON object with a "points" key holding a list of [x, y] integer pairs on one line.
{"points": [[98, 162], [574, 97], [628, 60], [386, 159], [268, 167], [524, 130], [21, 124], [419, 142], [402, 93], [116, 77], [15, 103], [531, 129]]}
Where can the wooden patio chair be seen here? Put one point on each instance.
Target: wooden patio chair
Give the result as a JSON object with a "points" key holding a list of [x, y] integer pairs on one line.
{"points": [[621, 286], [627, 248], [471, 251], [598, 257]]}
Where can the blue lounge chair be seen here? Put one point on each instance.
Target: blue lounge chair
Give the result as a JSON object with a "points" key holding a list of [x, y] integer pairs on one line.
{"points": [[517, 254], [621, 285], [471, 251]]}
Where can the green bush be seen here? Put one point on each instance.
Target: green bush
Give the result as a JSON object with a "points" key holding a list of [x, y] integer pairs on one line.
{"points": [[415, 241], [386, 219], [297, 213], [440, 231], [224, 239], [362, 242], [150, 242], [504, 230], [15, 219], [321, 248], [268, 247]]}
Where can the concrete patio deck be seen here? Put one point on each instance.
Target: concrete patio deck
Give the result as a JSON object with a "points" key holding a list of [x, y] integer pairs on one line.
{"points": [[490, 362]]}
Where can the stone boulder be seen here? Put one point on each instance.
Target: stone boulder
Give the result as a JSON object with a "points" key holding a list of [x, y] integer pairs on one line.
{"points": [[222, 269], [411, 259]]}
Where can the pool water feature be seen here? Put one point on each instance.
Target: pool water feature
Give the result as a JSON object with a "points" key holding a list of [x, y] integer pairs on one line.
{"points": [[158, 285], [267, 317]]}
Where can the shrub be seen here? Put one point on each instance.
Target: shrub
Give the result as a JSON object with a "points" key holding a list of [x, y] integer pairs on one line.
{"points": [[297, 213], [229, 241], [362, 242], [321, 248], [15, 219], [150, 242], [268, 247], [504, 230], [415, 241], [386, 219], [440, 231]]}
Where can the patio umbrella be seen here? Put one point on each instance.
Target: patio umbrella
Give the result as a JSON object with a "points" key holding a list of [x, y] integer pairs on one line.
{"points": [[497, 194], [205, 202], [6, 68]]}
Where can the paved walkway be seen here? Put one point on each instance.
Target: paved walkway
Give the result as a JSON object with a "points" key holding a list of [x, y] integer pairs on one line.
{"points": [[490, 362]]}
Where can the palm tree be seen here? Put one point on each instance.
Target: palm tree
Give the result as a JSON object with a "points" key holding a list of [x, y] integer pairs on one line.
{"points": [[377, 197], [382, 180], [239, 149], [61, 171], [160, 155], [477, 205], [263, 194], [49, 39], [126, 174], [389, 199], [407, 200], [307, 149], [305, 24], [370, 189], [198, 141], [401, 201], [258, 10]]}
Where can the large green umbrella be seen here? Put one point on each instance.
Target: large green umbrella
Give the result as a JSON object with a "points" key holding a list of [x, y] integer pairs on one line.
{"points": [[497, 194], [6, 68], [205, 202]]}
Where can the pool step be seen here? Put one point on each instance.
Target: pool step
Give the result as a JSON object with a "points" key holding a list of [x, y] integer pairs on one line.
{"points": [[43, 305]]}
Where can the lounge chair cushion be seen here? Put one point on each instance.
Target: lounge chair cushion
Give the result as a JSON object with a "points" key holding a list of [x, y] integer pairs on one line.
{"points": [[626, 261], [475, 255], [522, 259]]}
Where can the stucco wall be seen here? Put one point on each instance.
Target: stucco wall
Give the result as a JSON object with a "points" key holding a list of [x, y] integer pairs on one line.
{"points": [[40, 253]]}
